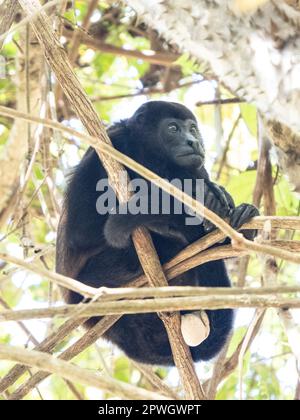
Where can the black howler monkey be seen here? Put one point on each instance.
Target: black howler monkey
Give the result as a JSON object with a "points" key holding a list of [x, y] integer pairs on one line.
{"points": [[97, 249]]}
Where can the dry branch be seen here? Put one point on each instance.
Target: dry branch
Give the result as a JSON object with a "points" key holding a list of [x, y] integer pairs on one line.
{"points": [[141, 306], [49, 343], [59, 63], [231, 363], [50, 364], [155, 380], [8, 9], [227, 101], [89, 338], [158, 58], [191, 257], [13, 155], [24, 21], [46, 345], [59, 279]]}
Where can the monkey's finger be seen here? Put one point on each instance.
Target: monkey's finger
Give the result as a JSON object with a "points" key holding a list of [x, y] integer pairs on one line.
{"points": [[229, 199], [208, 226], [220, 195], [242, 215]]}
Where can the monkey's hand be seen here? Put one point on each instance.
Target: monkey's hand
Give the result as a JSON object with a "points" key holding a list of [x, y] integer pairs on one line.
{"points": [[241, 215], [218, 200], [117, 230]]}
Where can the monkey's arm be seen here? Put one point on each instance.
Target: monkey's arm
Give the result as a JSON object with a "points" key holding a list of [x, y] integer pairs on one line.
{"points": [[119, 226]]}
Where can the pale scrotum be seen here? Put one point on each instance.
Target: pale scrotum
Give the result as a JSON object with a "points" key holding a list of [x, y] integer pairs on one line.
{"points": [[195, 328]]}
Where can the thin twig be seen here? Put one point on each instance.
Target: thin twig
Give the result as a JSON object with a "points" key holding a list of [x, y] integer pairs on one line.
{"points": [[155, 380], [231, 363], [158, 58], [141, 306], [221, 102], [215, 379], [227, 145], [245, 345], [76, 40], [22, 326]]}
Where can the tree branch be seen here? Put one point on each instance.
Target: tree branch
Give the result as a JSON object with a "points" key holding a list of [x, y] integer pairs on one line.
{"points": [[9, 8], [59, 63], [49, 343], [141, 306], [89, 338], [158, 58], [227, 101], [50, 364]]}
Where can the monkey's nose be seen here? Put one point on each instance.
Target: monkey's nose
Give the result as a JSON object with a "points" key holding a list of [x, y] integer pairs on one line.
{"points": [[194, 144]]}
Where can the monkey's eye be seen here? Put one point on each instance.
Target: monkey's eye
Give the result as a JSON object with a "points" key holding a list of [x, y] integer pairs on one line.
{"points": [[194, 130], [173, 128]]}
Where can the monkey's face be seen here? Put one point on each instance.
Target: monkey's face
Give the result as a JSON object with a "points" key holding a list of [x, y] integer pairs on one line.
{"points": [[181, 141], [169, 131]]}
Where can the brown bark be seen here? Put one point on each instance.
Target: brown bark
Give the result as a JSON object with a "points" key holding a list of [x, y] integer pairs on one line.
{"points": [[59, 63]]}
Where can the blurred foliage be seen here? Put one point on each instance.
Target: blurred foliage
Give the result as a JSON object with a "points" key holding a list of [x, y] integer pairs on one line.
{"points": [[268, 371]]}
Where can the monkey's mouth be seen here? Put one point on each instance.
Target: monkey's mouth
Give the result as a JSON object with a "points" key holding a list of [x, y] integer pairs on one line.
{"points": [[191, 154], [190, 159]]}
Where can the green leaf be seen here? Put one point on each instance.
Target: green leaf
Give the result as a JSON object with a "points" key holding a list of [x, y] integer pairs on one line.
{"points": [[189, 65], [122, 369], [241, 187], [236, 339], [286, 200], [228, 390], [249, 114]]}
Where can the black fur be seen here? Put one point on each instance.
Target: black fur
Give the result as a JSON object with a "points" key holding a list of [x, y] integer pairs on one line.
{"points": [[98, 251]]}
